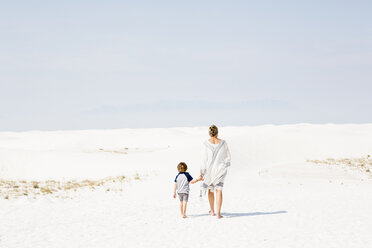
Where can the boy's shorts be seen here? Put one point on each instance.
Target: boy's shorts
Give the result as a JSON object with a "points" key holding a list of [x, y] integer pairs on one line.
{"points": [[183, 197]]}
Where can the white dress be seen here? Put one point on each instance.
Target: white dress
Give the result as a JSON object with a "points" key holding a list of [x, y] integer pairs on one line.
{"points": [[214, 168]]}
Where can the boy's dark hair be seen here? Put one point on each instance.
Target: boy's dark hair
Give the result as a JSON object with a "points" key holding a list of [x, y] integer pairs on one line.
{"points": [[213, 131], [182, 167]]}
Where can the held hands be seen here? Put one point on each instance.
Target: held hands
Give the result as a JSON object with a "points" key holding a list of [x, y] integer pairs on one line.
{"points": [[201, 178]]}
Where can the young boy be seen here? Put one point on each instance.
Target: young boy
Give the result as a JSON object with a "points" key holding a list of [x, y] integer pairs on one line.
{"points": [[181, 185]]}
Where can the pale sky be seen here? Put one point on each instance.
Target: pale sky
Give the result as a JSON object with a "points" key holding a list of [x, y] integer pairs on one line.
{"points": [[117, 64]]}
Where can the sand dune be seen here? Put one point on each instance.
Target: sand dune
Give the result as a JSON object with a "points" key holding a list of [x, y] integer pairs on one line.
{"points": [[288, 186]]}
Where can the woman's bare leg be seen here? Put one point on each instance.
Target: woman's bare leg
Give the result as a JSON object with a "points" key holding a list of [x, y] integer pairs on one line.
{"points": [[211, 201], [219, 202]]}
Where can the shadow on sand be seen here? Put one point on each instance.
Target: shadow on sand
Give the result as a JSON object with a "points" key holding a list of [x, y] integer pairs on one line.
{"points": [[233, 215]]}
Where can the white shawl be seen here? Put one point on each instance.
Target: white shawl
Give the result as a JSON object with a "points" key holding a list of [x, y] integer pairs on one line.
{"points": [[214, 167]]}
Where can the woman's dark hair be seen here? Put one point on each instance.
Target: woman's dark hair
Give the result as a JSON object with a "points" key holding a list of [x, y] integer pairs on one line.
{"points": [[213, 131], [182, 167]]}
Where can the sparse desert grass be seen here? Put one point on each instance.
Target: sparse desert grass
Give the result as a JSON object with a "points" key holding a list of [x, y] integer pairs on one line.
{"points": [[132, 150], [10, 189], [362, 163], [120, 151], [137, 177]]}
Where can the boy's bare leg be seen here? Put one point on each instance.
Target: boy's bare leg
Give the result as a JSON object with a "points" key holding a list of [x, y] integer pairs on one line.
{"points": [[211, 202], [219, 202], [184, 203], [181, 205]]}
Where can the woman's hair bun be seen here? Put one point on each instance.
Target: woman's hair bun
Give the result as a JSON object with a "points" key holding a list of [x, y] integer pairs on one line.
{"points": [[213, 130]]}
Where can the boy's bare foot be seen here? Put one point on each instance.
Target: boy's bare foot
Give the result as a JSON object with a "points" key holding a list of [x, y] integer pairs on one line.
{"points": [[211, 213]]}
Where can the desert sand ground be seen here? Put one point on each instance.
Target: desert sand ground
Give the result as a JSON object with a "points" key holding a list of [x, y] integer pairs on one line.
{"points": [[289, 186]]}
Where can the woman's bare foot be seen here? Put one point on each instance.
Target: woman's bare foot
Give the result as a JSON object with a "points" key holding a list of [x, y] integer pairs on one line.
{"points": [[211, 213], [184, 216], [219, 216]]}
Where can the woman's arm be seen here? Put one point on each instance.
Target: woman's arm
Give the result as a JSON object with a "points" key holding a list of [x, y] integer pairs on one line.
{"points": [[205, 160], [227, 160]]}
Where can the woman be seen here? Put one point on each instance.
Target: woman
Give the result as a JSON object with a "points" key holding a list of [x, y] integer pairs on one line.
{"points": [[214, 169]]}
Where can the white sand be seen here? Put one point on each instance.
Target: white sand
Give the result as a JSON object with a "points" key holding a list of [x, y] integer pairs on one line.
{"points": [[272, 197]]}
